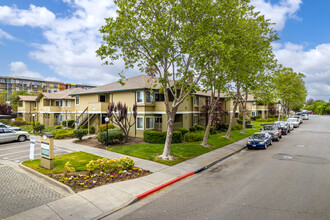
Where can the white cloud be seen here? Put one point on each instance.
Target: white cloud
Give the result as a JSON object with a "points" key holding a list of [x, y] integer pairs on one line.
{"points": [[72, 42], [278, 13], [20, 69], [5, 35], [314, 63], [35, 16]]}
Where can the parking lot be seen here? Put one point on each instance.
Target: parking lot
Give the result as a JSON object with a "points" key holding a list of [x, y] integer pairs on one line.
{"points": [[20, 151]]}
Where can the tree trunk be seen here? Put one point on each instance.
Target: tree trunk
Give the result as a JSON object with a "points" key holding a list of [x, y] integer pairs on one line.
{"points": [[208, 127], [231, 120], [167, 148], [244, 119]]}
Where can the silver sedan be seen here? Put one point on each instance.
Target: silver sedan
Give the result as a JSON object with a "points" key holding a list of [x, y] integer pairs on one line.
{"points": [[7, 135]]}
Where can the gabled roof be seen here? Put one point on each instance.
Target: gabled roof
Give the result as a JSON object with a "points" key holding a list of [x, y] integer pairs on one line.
{"points": [[133, 83], [65, 94], [27, 98]]}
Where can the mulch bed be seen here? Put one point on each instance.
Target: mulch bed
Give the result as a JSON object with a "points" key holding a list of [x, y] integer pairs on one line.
{"points": [[93, 142], [80, 181]]}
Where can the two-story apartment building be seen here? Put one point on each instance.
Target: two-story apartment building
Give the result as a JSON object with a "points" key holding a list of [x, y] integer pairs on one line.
{"points": [[48, 108]]}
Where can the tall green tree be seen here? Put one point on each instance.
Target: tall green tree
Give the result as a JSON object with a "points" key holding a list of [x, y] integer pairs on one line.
{"points": [[167, 35], [252, 55], [290, 88]]}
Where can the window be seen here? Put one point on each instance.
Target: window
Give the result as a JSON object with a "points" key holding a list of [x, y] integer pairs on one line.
{"points": [[77, 100], [59, 103], [139, 97], [253, 114], [150, 122], [158, 120], [35, 104], [68, 117], [55, 85], [67, 103], [139, 122], [149, 97], [102, 98], [195, 119], [159, 97], [195, 100]]}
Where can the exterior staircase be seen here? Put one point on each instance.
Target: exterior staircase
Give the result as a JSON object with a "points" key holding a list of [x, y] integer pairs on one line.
{"points": [[84, 117]]}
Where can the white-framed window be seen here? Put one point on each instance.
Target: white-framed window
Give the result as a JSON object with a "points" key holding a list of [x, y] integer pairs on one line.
{"points": [[139, 123], [149, 97], [59, 103], [253, 114], [67, 103], [150, 121], [68, 117], [77, 100], [195, 119], [195, 100], [140, 97]]}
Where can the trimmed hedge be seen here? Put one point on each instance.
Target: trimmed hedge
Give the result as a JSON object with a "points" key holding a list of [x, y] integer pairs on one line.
{"points": [[194, 136], [114, 134], [266, 120], [237, 127], [79, 133], [70, 123], [62, 133], [196, 128], [158, 137]]}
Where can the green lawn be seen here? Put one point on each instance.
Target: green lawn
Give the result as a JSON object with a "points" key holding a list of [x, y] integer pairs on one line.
{"points": [[183, 151], [77, 159]]}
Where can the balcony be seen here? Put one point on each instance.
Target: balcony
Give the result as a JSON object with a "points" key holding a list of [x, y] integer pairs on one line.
{"points": [[98, 107]]}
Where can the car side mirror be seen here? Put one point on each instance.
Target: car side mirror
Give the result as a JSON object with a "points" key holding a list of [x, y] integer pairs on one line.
{"points": [[260, 129]]}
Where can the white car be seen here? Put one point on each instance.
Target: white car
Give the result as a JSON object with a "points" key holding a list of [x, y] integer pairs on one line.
{"points": [[10, 127], [305, 117], [8, 135], [299, 118], [294, 121]]}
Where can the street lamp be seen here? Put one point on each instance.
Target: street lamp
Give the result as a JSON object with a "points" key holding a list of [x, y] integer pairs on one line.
{"points": [[107, 121]]}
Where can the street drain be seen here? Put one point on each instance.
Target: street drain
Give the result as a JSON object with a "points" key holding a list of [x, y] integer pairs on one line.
{"points": [[301, 159]]}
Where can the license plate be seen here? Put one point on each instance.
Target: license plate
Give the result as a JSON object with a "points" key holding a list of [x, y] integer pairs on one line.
{"points": [[254, 145]]}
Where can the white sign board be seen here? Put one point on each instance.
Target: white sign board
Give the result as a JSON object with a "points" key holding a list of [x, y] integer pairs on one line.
{"points": [[45, 149], [32, 145]]}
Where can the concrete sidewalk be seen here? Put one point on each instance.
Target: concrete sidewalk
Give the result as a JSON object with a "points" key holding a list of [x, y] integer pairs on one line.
{"points": [[100, 201]]}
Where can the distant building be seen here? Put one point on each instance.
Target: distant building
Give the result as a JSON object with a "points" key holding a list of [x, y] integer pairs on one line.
{"points": [[36, 86]]}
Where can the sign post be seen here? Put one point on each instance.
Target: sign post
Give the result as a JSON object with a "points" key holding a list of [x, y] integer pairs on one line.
{"points": [[47, 151], [32, 145]]}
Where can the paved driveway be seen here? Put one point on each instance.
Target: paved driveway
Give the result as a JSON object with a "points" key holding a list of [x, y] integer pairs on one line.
{"points": [[20, 151]]}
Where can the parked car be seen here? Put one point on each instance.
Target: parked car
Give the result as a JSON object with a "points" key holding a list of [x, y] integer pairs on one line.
{"points": [[305, 117], [7, 126], [259, 140], [299, 118], [273, 130], [294, 121], [284, 126], [7, 135]]}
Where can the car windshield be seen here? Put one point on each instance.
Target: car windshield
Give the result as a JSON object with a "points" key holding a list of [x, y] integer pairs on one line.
{"points": [[258, 136], [292, 120], [269, 128]]}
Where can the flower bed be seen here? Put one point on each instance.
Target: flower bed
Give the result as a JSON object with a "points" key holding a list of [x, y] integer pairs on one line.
{"points": [[79, 181]]}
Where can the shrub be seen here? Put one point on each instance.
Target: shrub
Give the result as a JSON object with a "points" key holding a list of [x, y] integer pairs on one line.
{"points": [[253, 118], [19, 119], [79, 133], [183, 131], [104, 163], [212, 130], [192, 129], [58, 127], [237, 127], [113, 135], [127, 163], [39, 128], [18, 123], [62, 133], [239, 121], [70, 123], [68, 168], [265, 120], [103, 127], [158, 137], [4, 121], [194, 136], [91, 130]]}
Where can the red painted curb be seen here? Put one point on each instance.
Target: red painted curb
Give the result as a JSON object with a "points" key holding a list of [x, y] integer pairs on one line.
{"points": [[147, 193]]}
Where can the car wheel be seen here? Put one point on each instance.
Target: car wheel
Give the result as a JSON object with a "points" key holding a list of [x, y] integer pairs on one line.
{"points": [[21, 138], [281, 136], [271, 142], [265, 147], [278, 139]]}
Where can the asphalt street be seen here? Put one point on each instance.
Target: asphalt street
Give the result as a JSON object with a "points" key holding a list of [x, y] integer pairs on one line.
{"points": [[289, 180], [20, 151]]}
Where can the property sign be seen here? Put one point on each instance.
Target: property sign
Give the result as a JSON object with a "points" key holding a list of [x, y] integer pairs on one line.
{"points": [[45, 149], [32, 145]]}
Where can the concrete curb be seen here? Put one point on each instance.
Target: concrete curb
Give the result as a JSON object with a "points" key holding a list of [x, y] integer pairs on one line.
{"points": [[48, 179]]}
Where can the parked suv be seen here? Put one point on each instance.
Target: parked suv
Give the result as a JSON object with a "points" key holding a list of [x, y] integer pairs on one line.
{"points": [[305, 117], [294, 121], [273, 130], [284, 126]]}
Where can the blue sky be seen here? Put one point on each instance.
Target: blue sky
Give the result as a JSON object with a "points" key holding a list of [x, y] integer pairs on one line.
{"points": [[57, 39]]}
